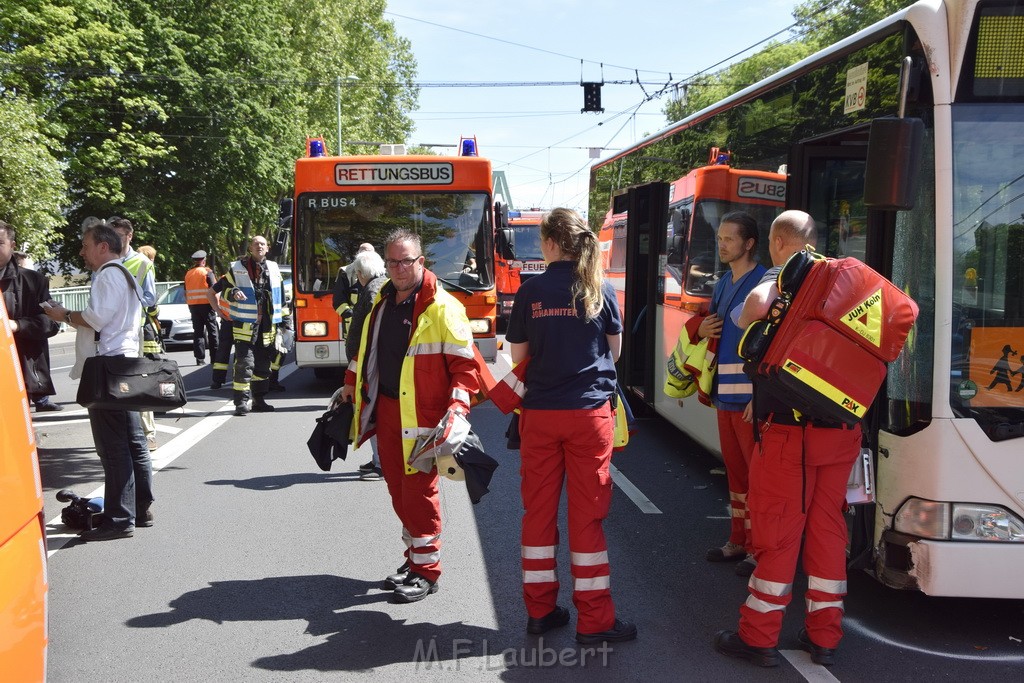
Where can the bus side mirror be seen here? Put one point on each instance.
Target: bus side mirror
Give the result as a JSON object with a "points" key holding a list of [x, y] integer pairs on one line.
{"points": [[507, 243], [284, 226], [893, 163], [501, 215]]}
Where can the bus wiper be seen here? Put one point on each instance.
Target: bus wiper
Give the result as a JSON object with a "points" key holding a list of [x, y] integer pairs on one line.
{"points": [[455, 285]]}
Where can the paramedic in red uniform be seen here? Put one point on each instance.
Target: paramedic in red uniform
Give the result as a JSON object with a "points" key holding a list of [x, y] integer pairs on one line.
{"points": [[798, 477], [415, 369], [567, 322]]}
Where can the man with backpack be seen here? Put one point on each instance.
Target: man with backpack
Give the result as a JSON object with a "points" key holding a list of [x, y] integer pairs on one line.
{"points": [[798, 477]]}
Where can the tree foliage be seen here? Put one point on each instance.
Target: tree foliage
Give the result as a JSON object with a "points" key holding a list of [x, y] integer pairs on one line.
{"points": [[186, 116], [32, 187]]}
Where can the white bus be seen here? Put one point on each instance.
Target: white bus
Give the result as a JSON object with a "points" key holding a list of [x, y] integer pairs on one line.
{"points": [[934, 201]]}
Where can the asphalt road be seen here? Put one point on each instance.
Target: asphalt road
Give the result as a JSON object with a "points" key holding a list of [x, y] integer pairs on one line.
{"points": [[260, 567]]}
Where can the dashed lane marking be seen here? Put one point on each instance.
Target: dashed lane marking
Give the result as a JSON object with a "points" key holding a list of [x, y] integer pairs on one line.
{"points": [[813, 673], [58, 535], [635, 495]]}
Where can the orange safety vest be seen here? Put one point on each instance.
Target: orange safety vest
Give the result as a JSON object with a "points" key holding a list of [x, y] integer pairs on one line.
{"points": [[196, 286]]}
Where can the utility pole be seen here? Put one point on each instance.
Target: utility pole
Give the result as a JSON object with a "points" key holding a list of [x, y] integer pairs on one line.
{"points": [[337, 85]]}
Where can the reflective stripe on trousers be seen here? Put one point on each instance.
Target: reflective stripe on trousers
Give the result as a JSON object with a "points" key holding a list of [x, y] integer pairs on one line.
{"points": [[574, 446], [414, 497]]}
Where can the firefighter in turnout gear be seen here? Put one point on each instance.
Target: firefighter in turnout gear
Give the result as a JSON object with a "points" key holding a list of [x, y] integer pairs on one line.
{"points": [[225, 343], [253, 288], [798, 475], [417, 368]]}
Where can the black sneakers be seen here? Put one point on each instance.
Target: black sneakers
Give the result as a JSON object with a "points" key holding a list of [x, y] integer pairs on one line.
{"points": [[414, 589], [48, 407], [729, 643], [620, 631], [730, 552], [367, 467], [824, 656], [144, 518], [554, 619], [107, 533]]}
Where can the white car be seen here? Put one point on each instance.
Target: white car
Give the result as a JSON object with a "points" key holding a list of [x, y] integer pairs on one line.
{"points": [[176, 321]]}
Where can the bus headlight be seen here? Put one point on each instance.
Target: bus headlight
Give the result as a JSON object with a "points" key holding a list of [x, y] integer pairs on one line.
{"points": [[317, 328], [924, 518], [986, 523], [480, 325], [958, 521]]}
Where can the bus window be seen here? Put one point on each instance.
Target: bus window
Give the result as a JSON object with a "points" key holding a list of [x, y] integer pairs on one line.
{"points": [[703, 248], [988, 267], [449, 225]]}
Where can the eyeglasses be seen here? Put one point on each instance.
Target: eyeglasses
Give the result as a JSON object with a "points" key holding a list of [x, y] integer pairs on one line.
{"points": [[400, 263]]}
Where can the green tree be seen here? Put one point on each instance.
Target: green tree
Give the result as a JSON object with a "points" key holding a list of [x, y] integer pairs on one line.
{"points": [[32, 187], [187, 116]]}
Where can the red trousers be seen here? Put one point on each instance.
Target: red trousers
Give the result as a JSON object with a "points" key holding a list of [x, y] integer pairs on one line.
{"points": [[413, 496], [798, 481], [574, 446], [737, 439]]}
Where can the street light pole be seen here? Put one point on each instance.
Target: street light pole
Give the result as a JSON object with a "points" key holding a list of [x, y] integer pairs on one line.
{"points": [[337, 85]]}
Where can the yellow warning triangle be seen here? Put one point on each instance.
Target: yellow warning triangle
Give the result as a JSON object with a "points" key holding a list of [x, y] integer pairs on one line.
{"points": [[866, 318]]}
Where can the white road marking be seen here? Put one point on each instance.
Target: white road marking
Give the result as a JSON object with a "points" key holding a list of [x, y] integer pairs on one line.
{"points": [[635, 495], [58, 535], [801, 661], [850, 623]]}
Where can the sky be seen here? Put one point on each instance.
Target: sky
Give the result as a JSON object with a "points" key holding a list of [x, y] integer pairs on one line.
{"points": [[535, 133]]}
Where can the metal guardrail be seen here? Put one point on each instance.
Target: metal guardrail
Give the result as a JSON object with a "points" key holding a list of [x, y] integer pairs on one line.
{"points": [[77, 298]]}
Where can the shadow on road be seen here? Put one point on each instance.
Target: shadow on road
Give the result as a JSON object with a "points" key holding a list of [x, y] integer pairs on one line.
{"points": [[356, 639]]}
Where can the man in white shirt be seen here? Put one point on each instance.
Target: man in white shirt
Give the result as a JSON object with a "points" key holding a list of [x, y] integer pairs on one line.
{"points": [[112, 320]]}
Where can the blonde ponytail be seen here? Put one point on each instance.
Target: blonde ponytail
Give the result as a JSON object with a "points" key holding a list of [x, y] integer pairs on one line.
{"points": [[577, 241]]}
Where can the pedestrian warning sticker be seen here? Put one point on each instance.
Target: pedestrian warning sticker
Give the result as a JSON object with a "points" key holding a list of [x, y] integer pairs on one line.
{"points": [[995, 367], [866, 319]]}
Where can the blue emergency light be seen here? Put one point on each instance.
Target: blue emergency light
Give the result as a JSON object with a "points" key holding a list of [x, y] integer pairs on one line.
{"points": [[468, 147], [316, 148]]}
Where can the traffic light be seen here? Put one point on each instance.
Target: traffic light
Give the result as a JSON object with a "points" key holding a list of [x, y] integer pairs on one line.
{"points": [[591, 97]]}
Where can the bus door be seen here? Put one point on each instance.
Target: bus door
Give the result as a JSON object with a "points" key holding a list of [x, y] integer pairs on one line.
{"points": [[646, 208]]}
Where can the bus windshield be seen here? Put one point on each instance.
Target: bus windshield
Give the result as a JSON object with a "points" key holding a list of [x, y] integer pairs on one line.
{"points": [[704, 268], [527, 242], [453, 227], [988, 266]]}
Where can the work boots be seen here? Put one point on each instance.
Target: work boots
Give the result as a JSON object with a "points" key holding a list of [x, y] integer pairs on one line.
{"points": [[260, 405]]}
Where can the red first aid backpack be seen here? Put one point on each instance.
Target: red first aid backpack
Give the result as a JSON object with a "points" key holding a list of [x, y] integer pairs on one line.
{"points": [[824, 347]]}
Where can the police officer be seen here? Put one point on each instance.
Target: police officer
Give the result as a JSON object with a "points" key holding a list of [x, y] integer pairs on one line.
{"points": [[416, 369], [204, 320], [798, 476], [253, 288]]}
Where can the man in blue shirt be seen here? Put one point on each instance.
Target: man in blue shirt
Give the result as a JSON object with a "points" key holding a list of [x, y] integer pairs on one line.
{"points": [[732, 390]]}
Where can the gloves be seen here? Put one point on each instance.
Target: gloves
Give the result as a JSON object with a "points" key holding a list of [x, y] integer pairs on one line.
{"points": [[453, 428]]}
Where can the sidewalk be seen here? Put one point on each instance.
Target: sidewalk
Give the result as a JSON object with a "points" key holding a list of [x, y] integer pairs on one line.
{"points": [[63, 343]]}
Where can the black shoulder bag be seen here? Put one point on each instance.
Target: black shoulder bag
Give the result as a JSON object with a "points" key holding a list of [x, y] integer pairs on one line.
{"points": [[137, 384]]}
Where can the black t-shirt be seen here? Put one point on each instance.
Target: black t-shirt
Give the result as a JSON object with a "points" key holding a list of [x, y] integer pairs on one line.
{"points": [[396, 321], [571, 365]]}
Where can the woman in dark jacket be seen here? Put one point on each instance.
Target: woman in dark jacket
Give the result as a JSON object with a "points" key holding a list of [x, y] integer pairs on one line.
{"points": [[566, 323], [368, 268], [23, 291]]}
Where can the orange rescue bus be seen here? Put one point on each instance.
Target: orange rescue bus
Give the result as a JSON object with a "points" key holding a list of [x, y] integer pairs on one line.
{"points": [[341, 202]]}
